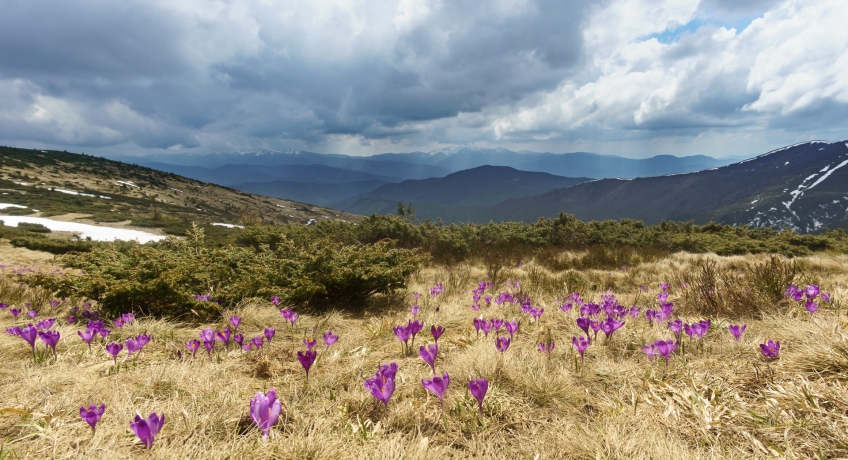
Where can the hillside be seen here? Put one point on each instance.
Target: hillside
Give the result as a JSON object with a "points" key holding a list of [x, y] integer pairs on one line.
{"points": [[802, 187], [456, 195], [51, 183]]}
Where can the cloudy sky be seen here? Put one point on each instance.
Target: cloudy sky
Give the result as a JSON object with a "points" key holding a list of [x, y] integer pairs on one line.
{"points": [[629, 77]]}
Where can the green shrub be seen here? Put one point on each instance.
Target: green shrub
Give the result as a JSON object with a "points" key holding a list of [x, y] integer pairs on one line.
{"points": [[161, 279], [34, 228]]}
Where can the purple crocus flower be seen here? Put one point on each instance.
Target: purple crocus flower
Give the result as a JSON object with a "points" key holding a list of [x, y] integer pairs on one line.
{"points": [[113, 349], [235, 321], [32, 313], [310, 343], [207, 335], [275, 300], [651, 351], [811, 306], [414, 309], [209, 346], [429, 354], [306, 360], [3, 305], [610, 326], [224, 336], [72, 319], [29, 333], [133, 346], [87, 336], [581, 345], [15, 312], [402, 333], [438, 385], [95, 325], [566, 307], [478, 389], [51, 339], [239, 339], [497, 324], [502, 344], [269, 333], [478, 324], [676, 327], [666, 347], [330, 338], [486, 327], [265, 411], [119, 322], [147, 429], [127, 317], [512, 327], [45, 324], [289, 315], [15, 331], [826, 297], [737, 330], [546, 347], [436, 332], [812, 291], [193, 345], [770, 349], [583, 323], [104, 332], [414, 328], [92, 414], [257, 342], [382, 385]]}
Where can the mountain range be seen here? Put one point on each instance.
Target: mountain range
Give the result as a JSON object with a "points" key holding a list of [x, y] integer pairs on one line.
{"points": [[803, 187], [456, 195], [324, 179]]}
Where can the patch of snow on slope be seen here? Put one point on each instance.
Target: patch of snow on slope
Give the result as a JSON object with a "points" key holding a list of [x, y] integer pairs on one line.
{"points": [[95, 232], [9, 205]]}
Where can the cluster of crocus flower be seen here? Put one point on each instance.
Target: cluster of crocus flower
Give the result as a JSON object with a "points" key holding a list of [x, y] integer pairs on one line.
{"points": [[807, 296], [697, 329], [408, 331], [41, 330], [436, 290], [661, 347], [382, 385], [289, 315], [147, 428]]}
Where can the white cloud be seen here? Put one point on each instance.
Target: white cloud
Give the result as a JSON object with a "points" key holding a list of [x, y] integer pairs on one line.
{"points": [[711, 78]]}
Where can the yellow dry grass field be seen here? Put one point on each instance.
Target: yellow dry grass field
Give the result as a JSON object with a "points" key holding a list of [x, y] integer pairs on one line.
{"points": [[718, 398]]}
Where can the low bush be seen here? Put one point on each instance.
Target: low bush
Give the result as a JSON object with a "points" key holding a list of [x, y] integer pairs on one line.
{"points": [[162, 279]]}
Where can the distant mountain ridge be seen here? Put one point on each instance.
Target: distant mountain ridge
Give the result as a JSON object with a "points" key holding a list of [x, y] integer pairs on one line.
{"points": [[803, 187], [439, 163], [456, 195]]}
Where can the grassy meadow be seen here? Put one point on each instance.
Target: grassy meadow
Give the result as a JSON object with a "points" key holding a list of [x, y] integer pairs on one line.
{"points": [[718, 398]]}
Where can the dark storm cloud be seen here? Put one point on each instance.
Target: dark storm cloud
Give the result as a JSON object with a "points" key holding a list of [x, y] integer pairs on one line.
{"points": [[223, 75]]}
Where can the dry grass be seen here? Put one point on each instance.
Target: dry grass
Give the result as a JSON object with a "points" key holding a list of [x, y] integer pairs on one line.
{"points": [[723, 400]]}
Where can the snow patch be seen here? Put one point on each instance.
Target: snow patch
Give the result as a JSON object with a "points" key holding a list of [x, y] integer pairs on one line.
{"points": [[126, 182], [95, 232], [9, 205], [219, 224]]}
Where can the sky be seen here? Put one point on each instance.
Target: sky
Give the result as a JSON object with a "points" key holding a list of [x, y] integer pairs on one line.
{"points": [[629, 77]]}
